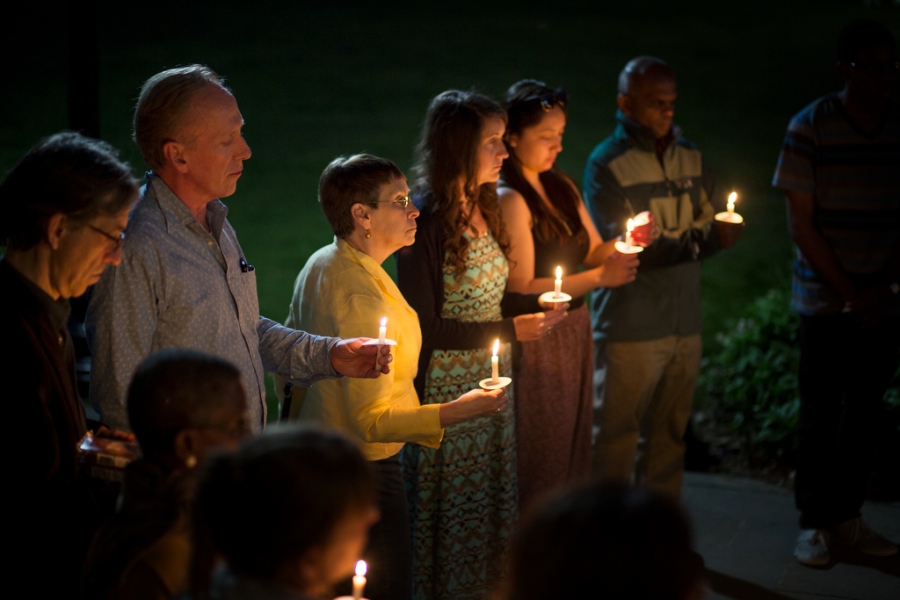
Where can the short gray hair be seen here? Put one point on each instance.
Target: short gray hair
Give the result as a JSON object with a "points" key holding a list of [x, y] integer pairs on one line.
{"points": [[163, 105], [637, 68]]}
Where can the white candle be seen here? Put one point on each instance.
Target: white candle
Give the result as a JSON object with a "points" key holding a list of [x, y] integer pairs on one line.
{"points": [[628, 239], [359, 580], [731, 198], [495, 364], [557, 284], [382, 331]]}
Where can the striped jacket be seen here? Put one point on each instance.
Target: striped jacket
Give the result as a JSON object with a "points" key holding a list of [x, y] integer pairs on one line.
{"points": [[624, 177]]}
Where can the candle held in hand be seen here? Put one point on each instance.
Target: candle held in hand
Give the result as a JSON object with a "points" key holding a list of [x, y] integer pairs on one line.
{"points": [[628, 239], [731, 198], [382, 331], [495, 364], [557, 284], [359, 580]]}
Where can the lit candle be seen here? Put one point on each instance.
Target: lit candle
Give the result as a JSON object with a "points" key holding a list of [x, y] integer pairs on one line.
{"points": [[731, 198], [495, 364], [557, 289], [382, 331], [628, 240], [359, 580]]}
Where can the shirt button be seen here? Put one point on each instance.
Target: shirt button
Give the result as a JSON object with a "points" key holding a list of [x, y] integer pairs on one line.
{"points": [[60, 339], [209, 243]]}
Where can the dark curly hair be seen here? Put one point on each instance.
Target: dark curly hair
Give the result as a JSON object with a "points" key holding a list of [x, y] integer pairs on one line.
{"points": [[524, 109], [447, 151]]}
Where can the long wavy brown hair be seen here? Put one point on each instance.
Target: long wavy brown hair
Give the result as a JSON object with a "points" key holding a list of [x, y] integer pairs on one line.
{"points": [[448, 150]]}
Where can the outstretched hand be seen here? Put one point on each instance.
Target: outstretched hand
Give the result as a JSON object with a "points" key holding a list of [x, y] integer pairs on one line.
{"points": [[351, 358], [619, 269], [537, 325]]}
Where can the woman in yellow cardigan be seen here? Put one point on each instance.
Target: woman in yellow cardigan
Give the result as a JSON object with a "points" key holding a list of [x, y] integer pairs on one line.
{"points": [[343, 291]]}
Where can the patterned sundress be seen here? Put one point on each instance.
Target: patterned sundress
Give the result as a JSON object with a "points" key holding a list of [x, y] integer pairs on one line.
{"points": [[463, 495]]}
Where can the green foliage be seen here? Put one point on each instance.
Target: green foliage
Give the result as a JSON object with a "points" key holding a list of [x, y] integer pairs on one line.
{"points": [[752, 374], [750, 377]]}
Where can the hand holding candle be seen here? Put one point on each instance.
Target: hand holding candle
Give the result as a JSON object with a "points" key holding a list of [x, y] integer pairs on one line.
{"points": [[495, 364], [730, 225], [557, 297], [495, 382], [627, 246], [557, 284], [359, 580], [729, 216]]}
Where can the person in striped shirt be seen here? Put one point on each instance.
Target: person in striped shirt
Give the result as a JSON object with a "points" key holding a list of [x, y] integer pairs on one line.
{"points": [[840, 168]]}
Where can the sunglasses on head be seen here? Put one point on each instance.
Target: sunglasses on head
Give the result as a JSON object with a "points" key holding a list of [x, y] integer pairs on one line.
{"points": [[548, 100]]}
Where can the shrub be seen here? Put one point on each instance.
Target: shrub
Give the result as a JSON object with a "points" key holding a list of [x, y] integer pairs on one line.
{"points": [[751, 376]]}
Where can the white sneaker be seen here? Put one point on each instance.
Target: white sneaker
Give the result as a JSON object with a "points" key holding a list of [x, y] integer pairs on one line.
{"points": [[856, 534], [812, 547]]}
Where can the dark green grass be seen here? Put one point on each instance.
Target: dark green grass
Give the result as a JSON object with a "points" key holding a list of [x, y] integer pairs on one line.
{"points": [[335, 78]]}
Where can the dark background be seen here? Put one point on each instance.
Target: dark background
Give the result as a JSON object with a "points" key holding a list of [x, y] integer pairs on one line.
{"points": [[317, 80]]}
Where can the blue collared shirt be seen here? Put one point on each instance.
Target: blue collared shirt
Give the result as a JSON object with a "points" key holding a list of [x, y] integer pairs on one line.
{"points": [[180, 286]]}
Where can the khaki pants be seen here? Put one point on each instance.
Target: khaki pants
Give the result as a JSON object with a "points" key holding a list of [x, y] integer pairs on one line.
{"points": [[646, 394]]}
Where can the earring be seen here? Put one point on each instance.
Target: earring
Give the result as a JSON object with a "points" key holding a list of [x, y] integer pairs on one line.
{"points": [[191, 461], [368, 234]]}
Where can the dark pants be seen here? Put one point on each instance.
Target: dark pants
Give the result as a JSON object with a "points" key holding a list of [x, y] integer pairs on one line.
{"points": [[389, 553], [844, 373]]}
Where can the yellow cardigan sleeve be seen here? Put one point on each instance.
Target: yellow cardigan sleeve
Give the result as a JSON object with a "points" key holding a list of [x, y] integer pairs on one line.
{"points": [[386, 409]]}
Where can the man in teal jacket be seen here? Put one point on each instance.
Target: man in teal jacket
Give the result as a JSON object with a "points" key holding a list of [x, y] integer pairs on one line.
{"points": [[647, 333]]}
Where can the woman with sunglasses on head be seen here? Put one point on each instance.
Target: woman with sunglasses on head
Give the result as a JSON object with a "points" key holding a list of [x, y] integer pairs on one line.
{"points": [[549, 226], [343, 291], [463, 494]]}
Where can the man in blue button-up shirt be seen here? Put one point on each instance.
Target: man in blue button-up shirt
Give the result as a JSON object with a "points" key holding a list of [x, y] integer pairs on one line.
{"points": [[185, 281]]}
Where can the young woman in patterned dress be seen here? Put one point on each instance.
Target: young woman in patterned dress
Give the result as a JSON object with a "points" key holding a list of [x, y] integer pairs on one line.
{"points": [[549, 226], [463, 496]]}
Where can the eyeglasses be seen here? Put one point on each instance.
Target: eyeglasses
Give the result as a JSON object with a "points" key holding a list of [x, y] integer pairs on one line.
{"points": [[878, 67], [404, 201], [548, 100], [117, 241]]}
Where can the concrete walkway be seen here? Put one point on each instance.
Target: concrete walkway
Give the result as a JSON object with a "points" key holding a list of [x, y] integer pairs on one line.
{"points": [[745, 530]]}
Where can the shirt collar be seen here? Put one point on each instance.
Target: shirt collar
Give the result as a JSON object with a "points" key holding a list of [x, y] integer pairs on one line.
{"points": [[176, 212], [641, 136], [377, 272]]}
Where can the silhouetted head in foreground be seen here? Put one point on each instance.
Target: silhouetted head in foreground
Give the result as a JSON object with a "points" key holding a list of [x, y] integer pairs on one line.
{"points": [[867, 60], [603, 541], [291, 509]]}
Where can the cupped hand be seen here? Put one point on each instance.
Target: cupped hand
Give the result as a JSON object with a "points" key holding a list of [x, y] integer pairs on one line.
{"points": [[349, 357], [472, 404], [114, 434], [537, 325], [729, 233], [619, 269], [483, 403], [646, 234]]}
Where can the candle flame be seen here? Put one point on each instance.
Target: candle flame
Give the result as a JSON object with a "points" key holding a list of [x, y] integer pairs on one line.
{"points": [[559, 272], [496, 346], [732, 197], [630, 224], [360, 568], [383, 324]]}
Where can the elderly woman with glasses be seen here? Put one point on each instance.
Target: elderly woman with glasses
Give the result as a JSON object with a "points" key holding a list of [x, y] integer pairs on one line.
{"points": [[64, 207], [343, 291], [550, 227]]}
